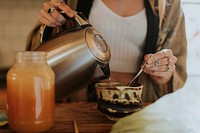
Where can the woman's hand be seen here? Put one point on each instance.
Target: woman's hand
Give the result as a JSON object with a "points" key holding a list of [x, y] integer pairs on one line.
{"points": [[160, 65], [50, 13]]}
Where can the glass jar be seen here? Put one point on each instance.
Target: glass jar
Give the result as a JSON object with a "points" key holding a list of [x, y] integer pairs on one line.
{"points": [[30, 93]]}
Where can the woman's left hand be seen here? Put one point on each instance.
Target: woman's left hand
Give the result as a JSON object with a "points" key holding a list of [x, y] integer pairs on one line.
{"points": [[160, 65]]}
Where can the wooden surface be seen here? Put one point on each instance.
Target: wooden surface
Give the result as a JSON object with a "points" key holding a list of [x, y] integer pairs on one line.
{"points": [[85, 114], [87, 117]]}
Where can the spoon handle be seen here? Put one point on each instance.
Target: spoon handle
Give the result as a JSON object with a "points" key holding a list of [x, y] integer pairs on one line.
{"points": [[137, 74], [139, 71]]}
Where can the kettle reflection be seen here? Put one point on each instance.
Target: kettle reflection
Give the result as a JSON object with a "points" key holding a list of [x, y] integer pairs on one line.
{"points": [[78, 55]]}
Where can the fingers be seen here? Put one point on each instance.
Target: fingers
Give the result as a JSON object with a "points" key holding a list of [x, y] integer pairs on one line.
{"points": [[51, 15], [161, 71], [162, 61], [47, 18], [154, 57], [160, 64], [60, 4], [52, 18], [55, 14], [66, 9]]}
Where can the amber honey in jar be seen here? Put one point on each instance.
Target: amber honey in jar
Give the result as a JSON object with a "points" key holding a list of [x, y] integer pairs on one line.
{"points": [[30, 93]]}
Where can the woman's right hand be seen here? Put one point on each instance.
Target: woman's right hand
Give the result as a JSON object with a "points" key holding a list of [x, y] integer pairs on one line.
{"points": [[50, 13]]}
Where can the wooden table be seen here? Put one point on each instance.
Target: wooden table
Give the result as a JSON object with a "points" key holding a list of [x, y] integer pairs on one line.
{"points": [[86, 115]]}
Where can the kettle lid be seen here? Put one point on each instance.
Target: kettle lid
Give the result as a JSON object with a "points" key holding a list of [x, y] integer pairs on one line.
{"points": [[97, 45]]}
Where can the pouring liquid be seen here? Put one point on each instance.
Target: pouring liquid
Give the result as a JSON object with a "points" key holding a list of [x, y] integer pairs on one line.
{"points": [[111, 82]]}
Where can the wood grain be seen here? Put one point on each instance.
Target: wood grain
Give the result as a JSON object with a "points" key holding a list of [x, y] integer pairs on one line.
{"points": [[87, 117]]}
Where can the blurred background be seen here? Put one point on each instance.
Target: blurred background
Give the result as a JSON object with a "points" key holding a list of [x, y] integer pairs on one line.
{"points": [[18, 17], [191, 10]]}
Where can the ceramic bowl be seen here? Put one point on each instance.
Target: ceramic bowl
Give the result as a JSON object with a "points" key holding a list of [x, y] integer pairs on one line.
{"points": [[118, 99]]}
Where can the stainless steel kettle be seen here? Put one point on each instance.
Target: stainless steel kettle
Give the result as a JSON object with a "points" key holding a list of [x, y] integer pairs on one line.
{"points": [[77, 53]]}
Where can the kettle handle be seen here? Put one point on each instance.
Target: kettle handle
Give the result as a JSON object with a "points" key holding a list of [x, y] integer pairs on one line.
{"points": [[75, 23]]}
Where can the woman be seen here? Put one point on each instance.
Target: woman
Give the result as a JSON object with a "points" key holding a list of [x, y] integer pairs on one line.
{"points": [[149, 30]]}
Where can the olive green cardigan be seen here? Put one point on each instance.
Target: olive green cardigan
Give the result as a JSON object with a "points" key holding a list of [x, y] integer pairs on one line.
{"points": [[171, 35]]}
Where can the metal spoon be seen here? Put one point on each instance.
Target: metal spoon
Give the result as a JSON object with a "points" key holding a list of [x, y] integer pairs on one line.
{"points": [[141, 69]]}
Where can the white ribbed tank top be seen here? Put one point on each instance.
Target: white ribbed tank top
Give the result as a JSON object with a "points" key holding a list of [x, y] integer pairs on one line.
{"points": [[124, 35]]}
